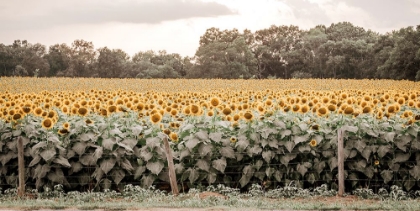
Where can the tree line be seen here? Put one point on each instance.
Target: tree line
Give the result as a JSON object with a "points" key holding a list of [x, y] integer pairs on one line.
{"points": [[340, 50]]}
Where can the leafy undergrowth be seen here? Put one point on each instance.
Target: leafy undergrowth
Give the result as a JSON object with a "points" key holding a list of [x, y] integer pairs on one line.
{"points": [[220, 196]]}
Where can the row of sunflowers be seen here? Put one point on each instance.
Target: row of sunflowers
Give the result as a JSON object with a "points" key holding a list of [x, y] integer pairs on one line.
{"points": [[91, 133]]}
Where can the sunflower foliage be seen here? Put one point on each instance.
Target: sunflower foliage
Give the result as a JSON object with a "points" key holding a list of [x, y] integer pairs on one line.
{"points": [[270, 149]]}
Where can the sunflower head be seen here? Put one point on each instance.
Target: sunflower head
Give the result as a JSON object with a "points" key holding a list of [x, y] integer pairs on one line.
{"points": [[155, 118], [215, 101], [174, 137], [233, 139], [376, 162], [47, 123], [89, 122], [63, 131], [313, 143], [248, 115]]}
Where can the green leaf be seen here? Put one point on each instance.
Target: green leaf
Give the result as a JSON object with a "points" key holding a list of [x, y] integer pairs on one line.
{"points": [[62, 161], [360, 145], [109, 143], [349, 128], [34, 161], [203, 164], [211, 177], [366, 153], [319, 166], [258, 164], [401, 157], [268, 155], [409, 183], [139, 171], [242, 143], [48, 154], [383, 150], [184, 153], [415, 172], [244, 180], [387, 175], [389, 137], [147, 180], [136, 130], [40, 145], [274, 143], [202, 135], [219, 164], [106, 184], [227, 152], [216, 137], [285, 133], [75, 167], [152, 142], [369, 171], [301, 169], [79, 147], [269, 171], [194, 174], [333, 163], [146, 154], [130, 142], [87, 136], [155, 167], [117, 175], [278, 175], [88, 160], [402, 142], [300, 139], [289, 145], [192, 143], [179, 168], [255, 150], [125, 164], [204, 149], [304, 148], [285, 159], [56, 176], [107, 165], [98, 153], [98, 174]]}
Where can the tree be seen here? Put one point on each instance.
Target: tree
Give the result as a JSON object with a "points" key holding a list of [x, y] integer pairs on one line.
{"points": [[110, 63]]}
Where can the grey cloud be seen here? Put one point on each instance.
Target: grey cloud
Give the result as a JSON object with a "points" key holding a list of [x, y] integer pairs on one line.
{"points": [[303, 9], [390, 13], [55, 12]]}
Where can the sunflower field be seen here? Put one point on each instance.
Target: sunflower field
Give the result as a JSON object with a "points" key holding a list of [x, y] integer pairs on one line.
{"points": [[90, 134]]}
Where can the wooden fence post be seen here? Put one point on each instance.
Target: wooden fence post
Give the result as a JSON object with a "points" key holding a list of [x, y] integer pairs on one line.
{"points": [[340, 154], [21, 167], [172, 175]]}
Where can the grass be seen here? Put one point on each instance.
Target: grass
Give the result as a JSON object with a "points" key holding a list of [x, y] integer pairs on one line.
{"points": [[233, 202]]}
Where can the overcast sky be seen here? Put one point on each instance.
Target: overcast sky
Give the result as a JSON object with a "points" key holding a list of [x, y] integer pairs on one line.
{"points": [[176, 25]]}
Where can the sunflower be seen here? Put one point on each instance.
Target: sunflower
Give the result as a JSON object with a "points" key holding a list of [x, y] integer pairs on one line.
{"points": [[26, 109], [313, 143], [195, 109], [88, 121], [17, 116], [215, 101], [167, 131], [210, 113], [66, 125], [112, 109], [226, 111], [248, 115], [315, 127], [104, 112], [322, 111], [155, 118], [376, 162], [63, 131], [47, 123], [174, 137], [233, 139], [348, 110]]}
